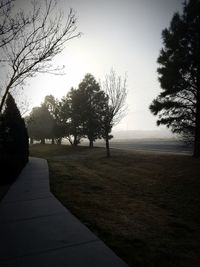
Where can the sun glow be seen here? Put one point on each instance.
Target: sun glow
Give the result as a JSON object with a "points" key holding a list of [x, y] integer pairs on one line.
{"points": [[57, 85]]}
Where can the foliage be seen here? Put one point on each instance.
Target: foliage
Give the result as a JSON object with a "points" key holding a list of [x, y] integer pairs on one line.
{"points": [[178, 105], [71, 111], [92, 101], [87, 111], [54, 106], [40, 123]]}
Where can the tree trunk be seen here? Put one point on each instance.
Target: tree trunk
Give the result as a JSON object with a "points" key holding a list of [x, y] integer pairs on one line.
{"points": [[59, 141], [4, 96], [52, 141], [2, 102], [42, 141], [91, 143], [107, 148], [75, 140], [196, 152]]}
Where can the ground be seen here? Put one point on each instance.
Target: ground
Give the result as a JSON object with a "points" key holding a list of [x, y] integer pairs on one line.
{"points": [[145, 206], [3, 190]]}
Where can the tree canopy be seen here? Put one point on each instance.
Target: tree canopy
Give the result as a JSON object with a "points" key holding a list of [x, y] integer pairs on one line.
{"points": [[40, 124], [178, 105], [91, 100], [86, 112]]}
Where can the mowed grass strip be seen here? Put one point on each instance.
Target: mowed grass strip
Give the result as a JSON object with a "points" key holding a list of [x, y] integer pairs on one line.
{"points": [[146, 207]]}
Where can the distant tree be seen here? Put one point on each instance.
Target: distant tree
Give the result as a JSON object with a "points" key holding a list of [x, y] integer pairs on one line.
{"points": [[40, 124], [178, 105], [64, 115], [114, 107], [71, 111], [53, 105], [91, 98], [29, 42], [13, 140]]}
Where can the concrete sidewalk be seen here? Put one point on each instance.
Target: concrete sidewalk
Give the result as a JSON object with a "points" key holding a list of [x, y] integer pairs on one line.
{"points": [[37, 230]]}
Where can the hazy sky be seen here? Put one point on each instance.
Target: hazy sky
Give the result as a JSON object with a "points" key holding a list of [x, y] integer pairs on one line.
{"points": [[123, 34]]}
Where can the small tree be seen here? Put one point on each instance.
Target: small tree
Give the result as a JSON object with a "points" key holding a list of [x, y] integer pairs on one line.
{"points": [[40, 124], [178, 105], [29, 47], [114, 108]]}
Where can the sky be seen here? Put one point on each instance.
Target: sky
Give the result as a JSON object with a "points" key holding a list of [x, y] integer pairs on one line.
{"points": [[120, 34]]}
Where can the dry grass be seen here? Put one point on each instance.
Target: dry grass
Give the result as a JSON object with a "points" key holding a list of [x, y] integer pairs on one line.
{"points": [[144, 206]]}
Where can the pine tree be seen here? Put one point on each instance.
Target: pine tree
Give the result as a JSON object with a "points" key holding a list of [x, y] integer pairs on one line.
{"points": [[14, 140], [40, 124], [91, 99], [178, 105]]}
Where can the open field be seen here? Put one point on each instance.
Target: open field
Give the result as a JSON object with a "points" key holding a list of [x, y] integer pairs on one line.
{"points": [[145, 206], [170, 146]]}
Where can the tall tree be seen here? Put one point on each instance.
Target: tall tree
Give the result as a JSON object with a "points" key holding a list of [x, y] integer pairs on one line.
{"points": [[71, 111], [178, 105], [114, 109], [90, 97], [53, 105], [39, 37]]}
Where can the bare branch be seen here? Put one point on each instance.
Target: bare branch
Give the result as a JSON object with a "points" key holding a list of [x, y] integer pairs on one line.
{"points": [[35, 43], [10, 26], [116, 90]]}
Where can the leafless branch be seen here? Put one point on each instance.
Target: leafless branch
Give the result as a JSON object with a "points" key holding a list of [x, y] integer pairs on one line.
{"points": [[116, 90], [36, 43], [10, 25]]}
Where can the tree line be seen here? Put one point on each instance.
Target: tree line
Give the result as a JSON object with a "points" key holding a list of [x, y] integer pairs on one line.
{"points": [[90, 111]]}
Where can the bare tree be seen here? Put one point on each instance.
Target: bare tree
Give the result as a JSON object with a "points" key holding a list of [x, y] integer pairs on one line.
{"points": [[116, 91], [39, 37]]}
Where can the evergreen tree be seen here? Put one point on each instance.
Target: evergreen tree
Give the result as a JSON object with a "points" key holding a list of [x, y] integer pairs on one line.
{"points": [[13, 139], [178, 105], [54, 106], [71, 116], [91, 100], [40, 124]]}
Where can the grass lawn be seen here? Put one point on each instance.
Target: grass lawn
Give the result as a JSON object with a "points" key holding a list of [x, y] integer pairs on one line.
{"points": [[145, 206], [3, 190]]}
